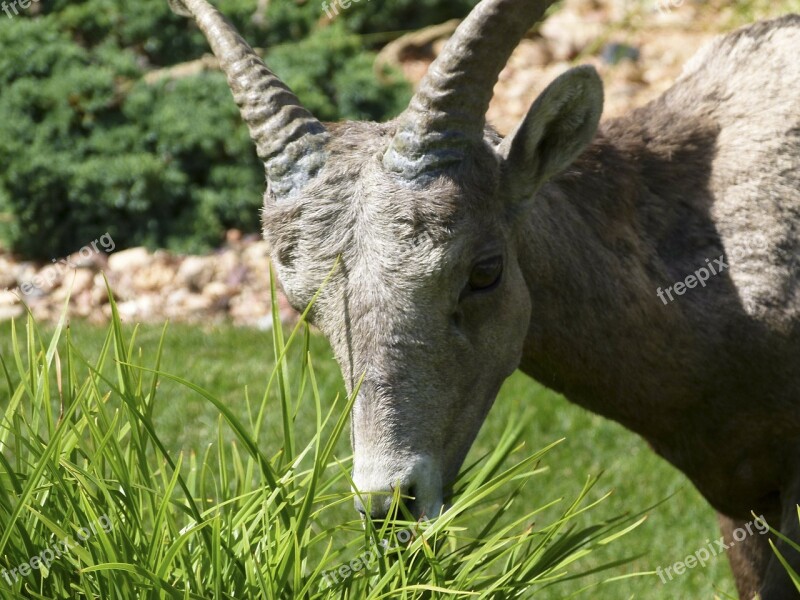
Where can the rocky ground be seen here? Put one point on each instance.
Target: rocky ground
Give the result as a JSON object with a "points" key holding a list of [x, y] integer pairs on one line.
{"points": [[231, 284], [638, 46]]}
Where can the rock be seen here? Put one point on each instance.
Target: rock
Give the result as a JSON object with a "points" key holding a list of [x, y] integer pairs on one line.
{"points": [[233, 236], [99, 293], [418, 46], [535, 53], [256, 256], [44, 312], [9, 312], [181, 70], [159, 274], [82, 305], [129, 260], [569, 33], [216, 290], [185, 305], [196, 272], [614, 53], [630, 72], [225, 262], [89, 257], [196, 303], [238, 276], [7, 277], [140, 309], [30, 283], [249, 307], [177, 297], [9, 297], [79, 281]]}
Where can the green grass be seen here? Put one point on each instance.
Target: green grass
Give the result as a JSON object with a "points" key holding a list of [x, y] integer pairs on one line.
{"points": [[793, 575], [121, 451]]}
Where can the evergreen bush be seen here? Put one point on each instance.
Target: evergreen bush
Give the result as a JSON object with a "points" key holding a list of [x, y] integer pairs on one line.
{"points": [[87, 145]]}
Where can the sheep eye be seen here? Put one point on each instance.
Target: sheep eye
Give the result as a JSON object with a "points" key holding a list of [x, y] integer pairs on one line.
{"points": [[486, 274]]}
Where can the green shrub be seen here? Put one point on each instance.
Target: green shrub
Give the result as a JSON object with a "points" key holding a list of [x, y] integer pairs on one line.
{"points": [[87, 146], [339, 82], [296, 19]]}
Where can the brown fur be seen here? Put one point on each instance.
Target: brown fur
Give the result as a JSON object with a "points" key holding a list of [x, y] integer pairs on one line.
{"points": [[710, 380], [589, 225]]}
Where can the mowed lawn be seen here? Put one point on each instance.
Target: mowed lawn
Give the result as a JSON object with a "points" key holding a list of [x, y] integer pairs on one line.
{"points": [[234, 363]]}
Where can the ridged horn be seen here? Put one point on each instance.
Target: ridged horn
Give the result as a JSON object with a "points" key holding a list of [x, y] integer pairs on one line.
{"points": [[447, 115], [289, 140]]}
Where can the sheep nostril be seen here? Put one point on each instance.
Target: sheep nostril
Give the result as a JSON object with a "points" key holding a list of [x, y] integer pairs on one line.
{"points": [[418, 487], [374, 504]]}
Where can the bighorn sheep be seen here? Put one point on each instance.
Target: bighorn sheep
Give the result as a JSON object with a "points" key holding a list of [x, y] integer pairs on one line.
{"points": [[464, 257]]}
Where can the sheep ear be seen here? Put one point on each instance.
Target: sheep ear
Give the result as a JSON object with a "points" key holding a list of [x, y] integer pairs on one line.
{"points": [[559, 125]]}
